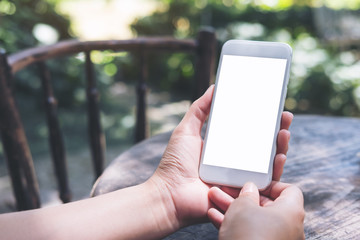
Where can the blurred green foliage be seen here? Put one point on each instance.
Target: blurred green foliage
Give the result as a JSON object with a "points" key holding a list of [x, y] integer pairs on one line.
{"points": [[325, 77], [19, 17], [19, 22]]}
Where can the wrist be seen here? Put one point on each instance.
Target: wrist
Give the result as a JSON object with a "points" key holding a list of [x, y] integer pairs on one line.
{"points": [[164, 213]]}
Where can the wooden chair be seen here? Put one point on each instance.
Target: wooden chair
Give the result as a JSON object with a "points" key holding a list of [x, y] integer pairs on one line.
{"points": [[16, 149]]}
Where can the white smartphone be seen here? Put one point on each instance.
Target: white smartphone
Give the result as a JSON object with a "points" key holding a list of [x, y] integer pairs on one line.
{"points": [[250, 89]]}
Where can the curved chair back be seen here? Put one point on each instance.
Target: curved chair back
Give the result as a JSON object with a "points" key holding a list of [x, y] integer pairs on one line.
{"points": [[17, 152]]}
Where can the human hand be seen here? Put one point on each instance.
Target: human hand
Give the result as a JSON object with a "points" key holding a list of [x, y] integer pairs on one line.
{"points": [[177, 177], [278, 213]]}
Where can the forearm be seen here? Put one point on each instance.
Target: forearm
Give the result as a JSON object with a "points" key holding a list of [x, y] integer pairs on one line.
{"points": [[138, 212]]}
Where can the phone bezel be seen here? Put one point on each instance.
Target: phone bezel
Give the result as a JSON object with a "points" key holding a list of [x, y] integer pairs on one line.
{"points": [[235, 177]]}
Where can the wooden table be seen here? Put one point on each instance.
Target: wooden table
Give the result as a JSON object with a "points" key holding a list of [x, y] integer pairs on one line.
{"points": [[323, 160]]}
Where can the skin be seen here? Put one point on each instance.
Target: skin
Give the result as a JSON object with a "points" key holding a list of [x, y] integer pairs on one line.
{"points": [[172, 198], [277, 213]]}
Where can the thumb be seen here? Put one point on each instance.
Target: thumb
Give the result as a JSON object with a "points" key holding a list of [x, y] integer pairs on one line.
{"points": [[251, 192], [198, 113]]}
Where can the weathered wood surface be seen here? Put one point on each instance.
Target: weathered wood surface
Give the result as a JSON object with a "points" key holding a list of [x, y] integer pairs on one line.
{"points": [[323, 160]]}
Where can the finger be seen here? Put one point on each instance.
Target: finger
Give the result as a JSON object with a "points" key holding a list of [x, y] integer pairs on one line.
{"points": [[289, 201], [279, 163], [283, 141], [216, 217], [265, 201], [286, 119], [280, 190], [274, 189], [288, 198], [272, 192], [251, 192], [194, 119], [233, 192], [220, 199]]}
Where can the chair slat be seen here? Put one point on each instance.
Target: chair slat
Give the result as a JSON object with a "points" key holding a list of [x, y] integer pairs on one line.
{"points": [[55, 136], [17, 152], [97, 139], [205, 63], [141, 131]]}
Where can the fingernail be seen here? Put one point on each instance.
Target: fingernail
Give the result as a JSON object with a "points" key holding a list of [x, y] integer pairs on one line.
{"points": [[249, 188]]}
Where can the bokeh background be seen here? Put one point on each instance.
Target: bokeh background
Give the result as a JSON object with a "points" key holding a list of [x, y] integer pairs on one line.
{"points": [[325, 72]]}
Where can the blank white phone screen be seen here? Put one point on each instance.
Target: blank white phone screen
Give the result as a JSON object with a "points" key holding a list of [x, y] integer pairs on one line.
{"points": [[244, 113]]}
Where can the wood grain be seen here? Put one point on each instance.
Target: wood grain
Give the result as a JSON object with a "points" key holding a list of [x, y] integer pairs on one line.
{"points": [[324, 162]]}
